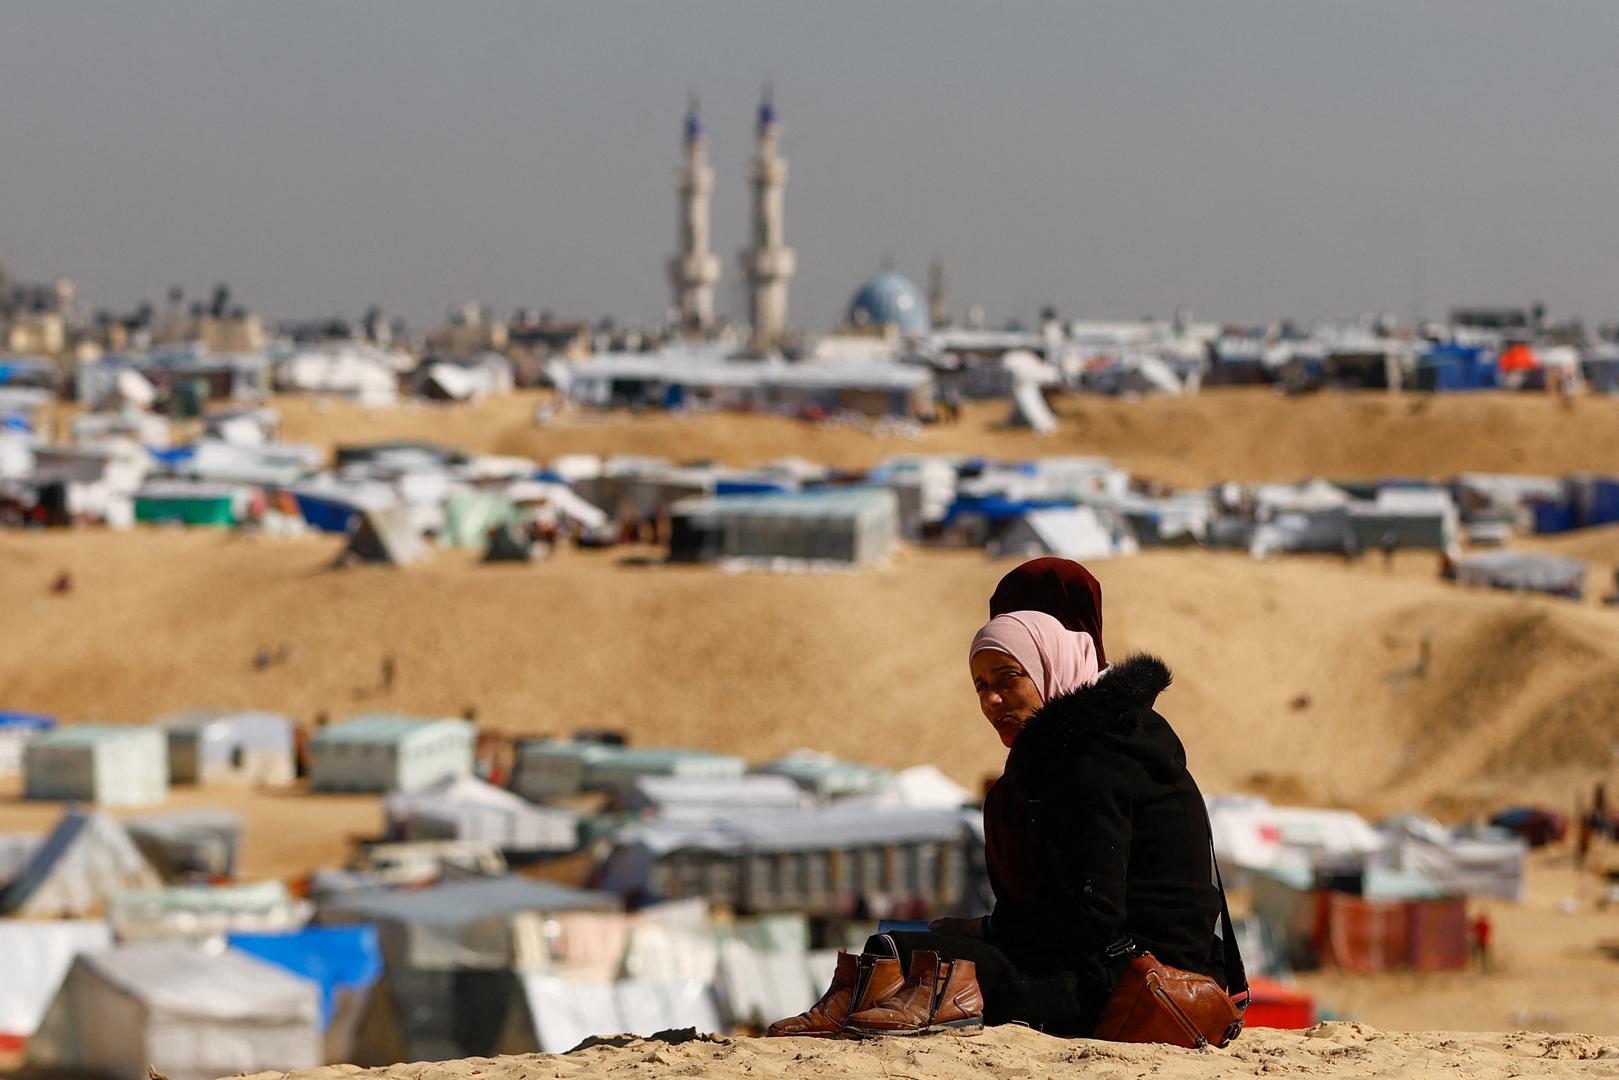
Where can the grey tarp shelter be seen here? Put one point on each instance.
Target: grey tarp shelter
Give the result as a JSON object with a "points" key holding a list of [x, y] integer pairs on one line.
{"points": [[188, 1013], [187, 843], [86, 858], [211, 746], [449, 952], [467, 808], [101, 764]]}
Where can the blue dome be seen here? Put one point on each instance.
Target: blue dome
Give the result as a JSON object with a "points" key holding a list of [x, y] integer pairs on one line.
{"points": [[890, 299]]}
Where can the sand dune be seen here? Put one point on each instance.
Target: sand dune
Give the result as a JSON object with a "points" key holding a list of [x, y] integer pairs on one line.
{"points": [[1229, 434], [1339, 1050], [1295, 677]]}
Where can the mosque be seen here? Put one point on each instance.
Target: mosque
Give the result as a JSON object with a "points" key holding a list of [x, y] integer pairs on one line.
{"points": [[887, 306]]}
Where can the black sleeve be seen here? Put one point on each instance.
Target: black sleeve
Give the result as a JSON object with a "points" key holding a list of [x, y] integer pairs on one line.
{"points": [[1082, 817]]}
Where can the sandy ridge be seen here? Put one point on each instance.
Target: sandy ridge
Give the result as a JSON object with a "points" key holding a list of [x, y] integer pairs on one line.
{"points": [[1345, 1050]]}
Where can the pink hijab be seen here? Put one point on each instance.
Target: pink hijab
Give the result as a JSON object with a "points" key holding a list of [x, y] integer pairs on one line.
{"points": [[1057, 659]]}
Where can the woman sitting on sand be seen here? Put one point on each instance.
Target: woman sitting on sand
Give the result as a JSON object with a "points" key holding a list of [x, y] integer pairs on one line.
{"points": [[1096, 836]]}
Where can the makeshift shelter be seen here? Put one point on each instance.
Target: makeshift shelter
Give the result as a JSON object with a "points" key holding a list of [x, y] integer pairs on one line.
{"points": [[381, 752], [822, 862], [204, 912], [1252, 835], [37, 955], [690, 798], [186, 844], [1457, 864], [17, 729], [856, 526], [554, 1014], [509, 543], [826, 777], [190, 503], [551, 768], [1313, 516], [1405, 518], [344, 961], [466, 808], [1522, 571], [386, 535], [183, 1012], [1029, 408], [16, 850], [213, 746], [85, 860], [1074, 532], [105, 765], [449, 952]]}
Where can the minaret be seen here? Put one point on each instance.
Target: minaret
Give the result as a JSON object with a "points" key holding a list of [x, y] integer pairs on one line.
{"points": [[693, 269], [768, 264]]}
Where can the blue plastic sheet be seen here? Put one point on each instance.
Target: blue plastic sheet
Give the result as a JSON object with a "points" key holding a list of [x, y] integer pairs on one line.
{"points": [[334, 957]]}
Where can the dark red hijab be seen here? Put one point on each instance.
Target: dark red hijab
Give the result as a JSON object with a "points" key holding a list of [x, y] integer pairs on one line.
{"points": [[1062, 589]]}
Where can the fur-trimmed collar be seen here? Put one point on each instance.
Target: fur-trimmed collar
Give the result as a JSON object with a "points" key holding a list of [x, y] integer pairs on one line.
{"points": [[1102, 712]]}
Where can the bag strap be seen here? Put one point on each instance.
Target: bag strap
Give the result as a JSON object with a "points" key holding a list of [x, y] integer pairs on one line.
{"points": [[1236, 974]]}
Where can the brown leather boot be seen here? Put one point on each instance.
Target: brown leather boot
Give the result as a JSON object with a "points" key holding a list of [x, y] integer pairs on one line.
{"points": [[859, 983], [938, 995]]}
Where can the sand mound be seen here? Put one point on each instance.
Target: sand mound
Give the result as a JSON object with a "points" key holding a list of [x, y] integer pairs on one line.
{"points": [[1342, 1050], [1228, 434], [1298, 677]]}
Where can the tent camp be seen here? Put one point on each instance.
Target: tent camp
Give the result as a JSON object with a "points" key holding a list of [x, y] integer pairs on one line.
{"points": [[382, 752], [17, 729], [187, 1013], [826, 777], [182, 844], [1252, 835], [86, 859], [211, 746], [37, 955], [1457, 865], [467, 808], [108, 766]]}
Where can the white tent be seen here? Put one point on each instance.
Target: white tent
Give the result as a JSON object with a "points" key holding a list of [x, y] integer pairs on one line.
{"points": [[921, 787], [1462, 865], [1029, 408], [208, 746], [557, 1014], [1251, 834], [189, 1014], [1068, 532], [85, 859], [37, 955], [106, 765], [466, 808]]}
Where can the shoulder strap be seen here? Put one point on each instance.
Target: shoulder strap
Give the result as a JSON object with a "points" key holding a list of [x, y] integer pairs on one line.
{"points": [[1236, 975]]}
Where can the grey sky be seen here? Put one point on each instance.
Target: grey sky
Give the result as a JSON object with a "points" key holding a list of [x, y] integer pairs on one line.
{"points": [[1251, 158]]}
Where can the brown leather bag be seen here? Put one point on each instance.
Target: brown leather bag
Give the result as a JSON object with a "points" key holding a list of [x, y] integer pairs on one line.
{"points": [[1153, 1002]]}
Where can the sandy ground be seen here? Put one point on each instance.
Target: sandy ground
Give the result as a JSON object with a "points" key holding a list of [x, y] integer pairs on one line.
{"points": [[1229, 434], [1332, 1050]]}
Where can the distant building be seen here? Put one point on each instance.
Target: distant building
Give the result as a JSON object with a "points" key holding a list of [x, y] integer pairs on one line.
{"points": [[217, 326], [888, 305], [468, 330]]}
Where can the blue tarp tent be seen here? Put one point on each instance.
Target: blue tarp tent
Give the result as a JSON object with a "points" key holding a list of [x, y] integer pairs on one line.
{"points": [[334, 957]]}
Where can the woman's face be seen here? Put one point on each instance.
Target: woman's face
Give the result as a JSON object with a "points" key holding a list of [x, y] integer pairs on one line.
{"points": [[1006, 693]]}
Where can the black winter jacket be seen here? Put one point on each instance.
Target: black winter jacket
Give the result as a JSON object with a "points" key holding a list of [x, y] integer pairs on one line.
{"points": [[1097, 809]]}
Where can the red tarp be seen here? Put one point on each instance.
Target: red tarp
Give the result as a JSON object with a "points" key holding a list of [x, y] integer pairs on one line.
{"points": [[1277, 1005], [1368, 936]]}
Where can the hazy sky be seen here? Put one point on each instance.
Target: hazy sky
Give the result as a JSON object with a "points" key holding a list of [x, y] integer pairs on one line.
{"points": [[1252, 158]]}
